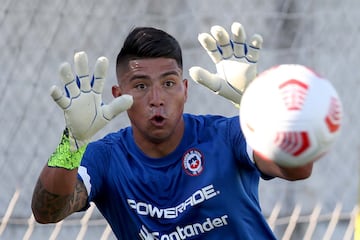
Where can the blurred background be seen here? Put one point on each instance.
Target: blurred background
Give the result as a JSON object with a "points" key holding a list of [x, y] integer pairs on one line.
{"points": [[37, 36]]}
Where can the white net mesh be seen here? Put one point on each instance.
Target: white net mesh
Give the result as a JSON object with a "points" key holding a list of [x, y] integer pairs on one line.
{"points": [[37, 35]]}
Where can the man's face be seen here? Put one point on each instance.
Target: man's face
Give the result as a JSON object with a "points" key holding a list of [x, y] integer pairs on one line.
{"points": [[159, 94]]}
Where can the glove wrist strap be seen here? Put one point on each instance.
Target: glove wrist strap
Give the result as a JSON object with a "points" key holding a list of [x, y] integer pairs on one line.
{"points": [[63, 157]]}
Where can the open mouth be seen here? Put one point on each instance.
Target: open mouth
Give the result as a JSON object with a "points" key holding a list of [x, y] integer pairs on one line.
{"points": [[158, 120]]}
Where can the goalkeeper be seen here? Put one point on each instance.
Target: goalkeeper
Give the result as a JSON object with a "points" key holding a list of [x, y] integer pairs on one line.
{"points": [[170, 175]]}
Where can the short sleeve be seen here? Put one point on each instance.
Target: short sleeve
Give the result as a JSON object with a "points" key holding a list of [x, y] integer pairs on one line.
{"points": [[93, 167]]}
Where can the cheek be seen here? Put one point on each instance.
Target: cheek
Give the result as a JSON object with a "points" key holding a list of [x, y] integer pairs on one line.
{"points": [[178, 104], [136, 109], [133, 115]]}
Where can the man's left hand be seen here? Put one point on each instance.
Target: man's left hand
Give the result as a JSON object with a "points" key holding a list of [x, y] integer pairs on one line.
{"points": [[236, 61]]}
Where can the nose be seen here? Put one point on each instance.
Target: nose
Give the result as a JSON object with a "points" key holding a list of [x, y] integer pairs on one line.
{"points": [[156, 96]]}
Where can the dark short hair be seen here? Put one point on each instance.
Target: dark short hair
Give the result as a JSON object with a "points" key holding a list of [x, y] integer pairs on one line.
{"points": [[148, 42]]}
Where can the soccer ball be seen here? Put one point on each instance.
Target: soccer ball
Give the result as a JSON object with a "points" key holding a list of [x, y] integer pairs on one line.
{"points": [[290, 115]]}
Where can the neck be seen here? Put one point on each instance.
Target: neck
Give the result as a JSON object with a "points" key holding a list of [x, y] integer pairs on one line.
{"points": [[157, 148]]}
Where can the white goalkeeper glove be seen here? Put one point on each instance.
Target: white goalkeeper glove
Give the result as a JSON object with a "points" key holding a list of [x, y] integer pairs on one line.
{"points": [[85, 114], [235, 61]]}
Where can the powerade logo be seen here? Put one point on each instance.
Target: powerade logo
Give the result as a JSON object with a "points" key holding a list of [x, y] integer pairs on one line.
{"points": [[147, 209], [188, 231]]}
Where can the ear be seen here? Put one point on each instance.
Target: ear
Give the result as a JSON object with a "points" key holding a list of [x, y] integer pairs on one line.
{"points": [[185, 82], [116, 91]]}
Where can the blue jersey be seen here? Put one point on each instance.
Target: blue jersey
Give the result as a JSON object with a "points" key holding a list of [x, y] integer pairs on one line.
{"points": [[206, 189]]}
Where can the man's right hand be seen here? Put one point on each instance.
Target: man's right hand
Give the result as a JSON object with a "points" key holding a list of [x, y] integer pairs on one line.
{"points": [[81, 101]]}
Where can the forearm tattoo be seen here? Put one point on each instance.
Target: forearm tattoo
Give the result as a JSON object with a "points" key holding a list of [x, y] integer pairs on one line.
{"points": [[54, 207]]}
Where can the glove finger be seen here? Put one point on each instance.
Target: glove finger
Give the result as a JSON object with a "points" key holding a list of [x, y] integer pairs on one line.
{"points": [[82, 70], [101, 67], [223, 40], [238, 37], [204, 77], [209, 44], [58, 96], [117, 106], [70, 86], [255, 46]]}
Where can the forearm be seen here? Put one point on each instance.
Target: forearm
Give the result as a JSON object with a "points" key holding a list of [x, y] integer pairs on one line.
{"points": [[58, 180], [297, 173], [270, 168], [57, 194]]}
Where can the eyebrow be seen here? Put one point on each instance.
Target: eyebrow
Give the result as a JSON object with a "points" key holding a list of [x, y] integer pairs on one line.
{"points": [[145, 77], [139, 76], [172, 72]]}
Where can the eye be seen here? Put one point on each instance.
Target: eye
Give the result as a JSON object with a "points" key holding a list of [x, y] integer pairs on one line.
{"points": [[140, 86], [169, 83]]}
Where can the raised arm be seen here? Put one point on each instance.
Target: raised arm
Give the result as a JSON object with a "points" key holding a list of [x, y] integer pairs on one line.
{"points": [[58, 192], [236, 64]]}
